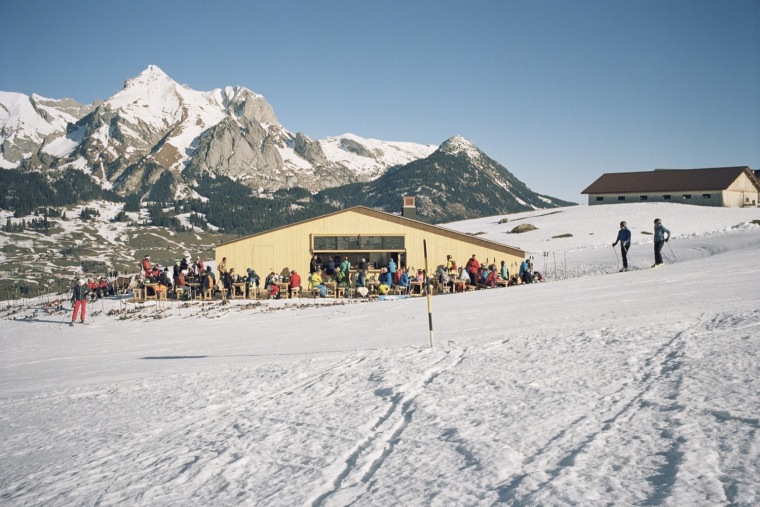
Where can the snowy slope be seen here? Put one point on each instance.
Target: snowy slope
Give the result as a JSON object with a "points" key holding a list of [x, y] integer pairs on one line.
{"points": [[370, 158], [634, 388], [26, 121]]}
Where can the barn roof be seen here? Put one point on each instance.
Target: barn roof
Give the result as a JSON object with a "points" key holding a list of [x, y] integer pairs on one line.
{"points": [[435, 229], [669, 180]]}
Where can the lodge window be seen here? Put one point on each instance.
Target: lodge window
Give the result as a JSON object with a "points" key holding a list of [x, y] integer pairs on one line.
{"points": [[598, 199], [706, 196], [666, 197], [621, 198], [643, 197], [686, 196]]}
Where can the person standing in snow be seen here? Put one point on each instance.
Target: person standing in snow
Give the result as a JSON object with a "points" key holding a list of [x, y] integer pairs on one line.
{"points": [[472, 267], [79, 301], [660, 239], [624, 237]]}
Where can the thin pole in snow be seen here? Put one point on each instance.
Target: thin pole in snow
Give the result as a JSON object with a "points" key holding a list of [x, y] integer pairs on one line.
{"points": [[427, 291]]}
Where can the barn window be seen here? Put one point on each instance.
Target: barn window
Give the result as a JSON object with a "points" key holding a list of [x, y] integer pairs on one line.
{"points": [[706, 196], [666, 197], [621, 198], [643, 197], [599, 199], [686, 196]]}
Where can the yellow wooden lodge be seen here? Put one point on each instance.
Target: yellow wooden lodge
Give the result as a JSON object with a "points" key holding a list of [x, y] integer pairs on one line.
{"points": [[360, 233]]}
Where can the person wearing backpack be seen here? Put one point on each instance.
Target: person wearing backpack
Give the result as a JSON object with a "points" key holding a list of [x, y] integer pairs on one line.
{"points": [[624, 237]]}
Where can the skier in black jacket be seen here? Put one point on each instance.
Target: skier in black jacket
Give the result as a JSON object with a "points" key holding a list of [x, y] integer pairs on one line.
{"points": [[624, 237], [79, 301]]}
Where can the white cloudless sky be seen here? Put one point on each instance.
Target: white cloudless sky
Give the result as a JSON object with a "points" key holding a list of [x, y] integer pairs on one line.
{"points": [[558, 92]]}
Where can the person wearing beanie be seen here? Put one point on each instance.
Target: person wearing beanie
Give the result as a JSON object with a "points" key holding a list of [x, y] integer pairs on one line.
{"points": [[624, 237], [79, 301]]}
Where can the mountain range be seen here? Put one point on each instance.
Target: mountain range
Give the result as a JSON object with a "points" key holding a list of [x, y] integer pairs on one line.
{"points": [[157, 140]]}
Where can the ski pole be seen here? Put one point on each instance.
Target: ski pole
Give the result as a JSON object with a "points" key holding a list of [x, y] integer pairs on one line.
{"points": [[617, 259], [60, 325], [675, 259]]}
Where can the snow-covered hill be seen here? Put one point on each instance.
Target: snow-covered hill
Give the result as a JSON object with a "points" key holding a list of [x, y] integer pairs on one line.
{"points": [[635, 388]]}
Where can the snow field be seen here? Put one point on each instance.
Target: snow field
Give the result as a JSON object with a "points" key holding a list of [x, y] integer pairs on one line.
{"points": [[629, 388]]}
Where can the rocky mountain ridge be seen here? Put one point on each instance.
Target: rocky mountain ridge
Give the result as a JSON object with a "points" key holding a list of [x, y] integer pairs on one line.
{"points": [[154, 126]]}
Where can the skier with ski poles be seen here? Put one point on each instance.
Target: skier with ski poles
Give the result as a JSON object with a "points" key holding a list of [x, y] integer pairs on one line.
{"points": [[660, 239], [624, 237], [80, 293]]}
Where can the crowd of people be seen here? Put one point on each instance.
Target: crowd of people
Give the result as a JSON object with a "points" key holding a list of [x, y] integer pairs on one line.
{"points": [[191, 279], [448, 278]]}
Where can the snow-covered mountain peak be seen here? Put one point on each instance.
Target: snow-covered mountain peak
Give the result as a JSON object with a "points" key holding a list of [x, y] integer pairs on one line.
{"points": [[150, 76], [459, 145]]}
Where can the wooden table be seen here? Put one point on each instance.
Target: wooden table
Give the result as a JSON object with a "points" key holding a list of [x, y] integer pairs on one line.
{"points": [[238, 290], [331, 288], [459, 285], [284, 293], [150, 291], [194, 286]]}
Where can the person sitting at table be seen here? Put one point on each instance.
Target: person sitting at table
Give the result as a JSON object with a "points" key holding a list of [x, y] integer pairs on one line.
{"points": [[490, 280], [504, 272], [444, 280], [403, 280], [451, 267], [385, 281], [181, 283], [295, 282], [397, 275], [164, 284], [209, 282], [270, 280], [228, 278], [274, 291], [385, 277], [251, 282], [463, 278], [316, 283], [360, 283]]}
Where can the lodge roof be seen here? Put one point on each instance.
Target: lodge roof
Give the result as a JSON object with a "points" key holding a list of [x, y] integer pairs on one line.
{"points": [[436, 229], [669, 180]]}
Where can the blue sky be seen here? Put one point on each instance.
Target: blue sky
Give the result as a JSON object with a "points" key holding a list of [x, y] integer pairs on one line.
{"points": [[557, 91]]}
